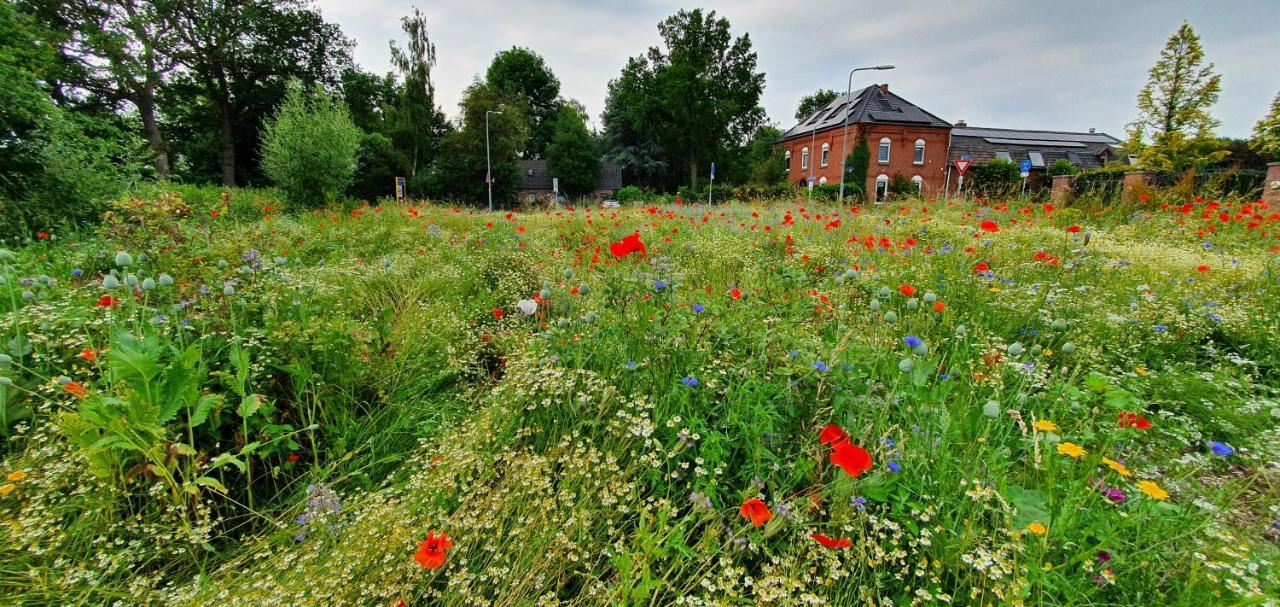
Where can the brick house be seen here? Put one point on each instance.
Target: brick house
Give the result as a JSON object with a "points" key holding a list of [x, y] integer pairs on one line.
{"points": [[903, 139]]}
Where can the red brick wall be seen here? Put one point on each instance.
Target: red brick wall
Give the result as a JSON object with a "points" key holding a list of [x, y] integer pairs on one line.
{"points": [[902, 139]]}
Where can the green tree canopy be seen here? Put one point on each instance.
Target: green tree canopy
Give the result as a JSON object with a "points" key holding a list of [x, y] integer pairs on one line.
{"points": [[523, 78], [310, 145], [1173, 107], [1266, 133], [459, 170], [572, 156], [418, 123], [814, 102]]}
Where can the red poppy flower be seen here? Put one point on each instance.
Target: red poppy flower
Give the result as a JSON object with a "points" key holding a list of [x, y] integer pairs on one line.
{"points": [[735, 293], [980, 267], [76, 388], [497, 313], [907, 290], [1202, 268], [853, 459], [989, 226], [626, 246], [939, 307], [108, 301], [1129, 419], [88, 354], [42, 235], [1073, 229], [431, 551], [831, 542], [755, 511], [293, 457], [833, 434]]}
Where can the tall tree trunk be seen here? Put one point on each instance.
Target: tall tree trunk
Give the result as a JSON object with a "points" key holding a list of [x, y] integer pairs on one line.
{"points": [[227, 141], [147, 110], [693, 172]]}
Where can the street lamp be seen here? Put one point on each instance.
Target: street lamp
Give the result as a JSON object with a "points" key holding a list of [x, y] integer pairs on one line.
{"points": [[844, 138], [488, 169]]}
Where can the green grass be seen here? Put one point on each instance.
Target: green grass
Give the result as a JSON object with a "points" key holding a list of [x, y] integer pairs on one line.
{"points": [[315, 391]]}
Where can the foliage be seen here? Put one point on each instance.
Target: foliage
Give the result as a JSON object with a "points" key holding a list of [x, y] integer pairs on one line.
{"points": [[995, 179], [901, 188], [686, 103], [813, 102], [1266, 133], [418, 124], [459, 173], [1061, 166], [379, 163], [768, 164], [858, 166], [1173, 107], [523, 78], [310, 146], [630, 194], [572, 156]]}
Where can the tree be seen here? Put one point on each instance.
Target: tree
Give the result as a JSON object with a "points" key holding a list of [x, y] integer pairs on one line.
{"points": [[858, 165], [695, 98], [814, 102], [523, 78], [310, 145], [239, 55], [459, 171], [768, 165], [420, 124], [1173, 107], [572, 156], [1266, 133]]}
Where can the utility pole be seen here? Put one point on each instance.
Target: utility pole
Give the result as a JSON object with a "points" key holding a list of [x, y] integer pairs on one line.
{"points": [[488, 168]]}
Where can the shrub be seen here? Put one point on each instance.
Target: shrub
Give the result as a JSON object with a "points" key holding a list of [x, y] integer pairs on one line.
{"points": [[995, 179], [379, 164], [310, 146], [632, 194], [1061, 166]]}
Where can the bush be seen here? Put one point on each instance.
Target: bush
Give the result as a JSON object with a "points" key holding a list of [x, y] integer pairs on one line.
{"points": [[1061, 166], [310, 145], [995, 179], [632, 194], [380, 163]]}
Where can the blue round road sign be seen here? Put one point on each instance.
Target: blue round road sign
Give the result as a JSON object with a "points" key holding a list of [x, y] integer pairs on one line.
{"points": [[1025, 166]]}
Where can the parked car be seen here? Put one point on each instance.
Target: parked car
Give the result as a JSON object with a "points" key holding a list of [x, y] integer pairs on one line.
{"points": [[610, 203]]}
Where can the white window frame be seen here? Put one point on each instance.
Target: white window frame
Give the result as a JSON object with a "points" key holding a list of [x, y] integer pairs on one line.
{"points": [[883, 150], [918, 159], [804, 158], [826, 153], [1037, 159], [882, 183]]}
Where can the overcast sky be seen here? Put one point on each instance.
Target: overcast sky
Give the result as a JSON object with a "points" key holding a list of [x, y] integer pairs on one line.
{"points": [[1061, 65]]}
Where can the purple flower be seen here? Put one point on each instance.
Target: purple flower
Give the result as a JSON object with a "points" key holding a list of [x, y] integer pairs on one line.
{"points": [[820, 366], [912, 341], [859, 503], [697, 308], [1222, 449], [1103, 557], [894, 467], [690, 381], [1114, 495], [660, 285], [77, 272]]}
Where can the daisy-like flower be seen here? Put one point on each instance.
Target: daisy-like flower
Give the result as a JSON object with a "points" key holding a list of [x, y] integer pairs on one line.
{"points": [[1071, 450], [1153, 490], [1118, 467], [1037, 528], [1045, 425]]}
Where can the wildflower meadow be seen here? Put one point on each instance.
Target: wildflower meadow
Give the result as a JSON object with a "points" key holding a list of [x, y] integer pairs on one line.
{"points": [[215, 400]]}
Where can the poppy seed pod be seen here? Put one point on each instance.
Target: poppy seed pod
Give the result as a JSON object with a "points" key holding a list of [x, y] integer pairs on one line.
{"points": [[921, 350], [913, 303], [591, 318], [961, 331], [1068, 348], [5, 360], [839, 279], [148, 284], [891, 316], [6, 255], [229, 291], [124, 259], [562, 323], [991, 410], [875, 305], [166, 280], [930, 297], [850, 274], [131, 280], [1059, 325], [885, 292], [1016, 349], [28, 296], [583, 289], [5, 381], [568, 273], [545, 294], [222, 264], [110, 282], [906, 365]]}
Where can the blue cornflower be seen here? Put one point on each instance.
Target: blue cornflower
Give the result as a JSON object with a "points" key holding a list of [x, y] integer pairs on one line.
{"points": [[860, 502], [894, 467], [912, 341], [793, 354], [888, 442], [660, 285], [1161, 328], [820, 366], [77, 272], [944, 376], [1222, 449], [631, 365], [690, 381], [698, 309]]}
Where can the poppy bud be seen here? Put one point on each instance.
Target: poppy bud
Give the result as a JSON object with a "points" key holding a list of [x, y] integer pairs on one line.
{"points": [[1059, 325], [991, 409], [1016, 349], [961, 331], [930, 297], [28, 296], [222, 264], [5, 381], [110, 282], [1068, 348], [124, 259], [166, 280], [5, 360]]}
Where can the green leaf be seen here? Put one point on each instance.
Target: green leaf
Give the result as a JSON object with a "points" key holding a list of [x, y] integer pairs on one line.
{"points": [[19, 346], [133, 359], [250, 448], [206, 404], [227, 458], [212, 483], [1031, 505], [249, 405]]}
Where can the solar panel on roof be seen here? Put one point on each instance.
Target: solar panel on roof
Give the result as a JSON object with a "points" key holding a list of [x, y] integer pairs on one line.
{"points": [[885, 105], [1037, 142], [1034, 135]]}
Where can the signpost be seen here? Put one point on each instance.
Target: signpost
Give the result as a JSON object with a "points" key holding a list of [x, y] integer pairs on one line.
{"points": [[1025, 168], [402, 190], [713, 183], [962, 165]]}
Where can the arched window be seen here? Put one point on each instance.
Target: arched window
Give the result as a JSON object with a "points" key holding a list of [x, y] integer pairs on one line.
{"points": [[919, 183], [804, 158], [884, 150], [788, 157], [919, 157], [882, 187], [823, 180], [826, 150]]}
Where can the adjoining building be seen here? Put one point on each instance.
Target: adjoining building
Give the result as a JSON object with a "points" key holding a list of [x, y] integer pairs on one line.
{"points": [[1042, 148], [906, 140], [536, 181]]}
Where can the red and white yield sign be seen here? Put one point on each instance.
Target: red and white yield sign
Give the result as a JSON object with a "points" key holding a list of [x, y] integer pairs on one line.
{"points": [[962, 165]]}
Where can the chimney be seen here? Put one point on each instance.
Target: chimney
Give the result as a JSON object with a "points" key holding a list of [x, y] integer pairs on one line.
{"points": [[884, 88], [1091, 129], [961, 124]]}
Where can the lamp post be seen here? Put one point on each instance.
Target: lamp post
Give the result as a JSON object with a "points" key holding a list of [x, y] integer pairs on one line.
{"points": [[844, 138], [488, 168]]}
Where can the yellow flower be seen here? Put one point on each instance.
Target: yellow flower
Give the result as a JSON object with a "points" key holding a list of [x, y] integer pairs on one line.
{"points": [[994, 289], [1120, 468], [1071, 449], [1037, 529], [17, 475], [1045, 425], [1141, 370], [7, 488], [1153, 490]]}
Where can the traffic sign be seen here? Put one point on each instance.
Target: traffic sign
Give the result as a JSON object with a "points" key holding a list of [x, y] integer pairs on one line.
{"points": [[962, 165], [1025, 166], [713, 171]]}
